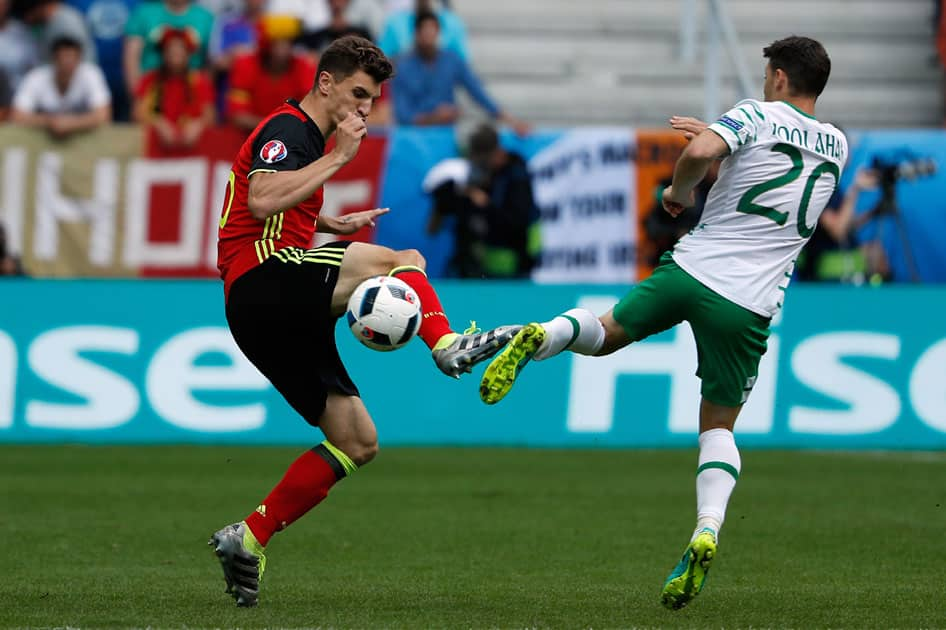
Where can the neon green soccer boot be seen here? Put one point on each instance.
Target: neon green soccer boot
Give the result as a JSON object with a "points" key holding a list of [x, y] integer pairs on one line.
{"points": [[687, 578], [506, 367]]}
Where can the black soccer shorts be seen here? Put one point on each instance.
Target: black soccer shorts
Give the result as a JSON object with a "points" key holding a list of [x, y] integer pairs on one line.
{"points": [[280, 314]]}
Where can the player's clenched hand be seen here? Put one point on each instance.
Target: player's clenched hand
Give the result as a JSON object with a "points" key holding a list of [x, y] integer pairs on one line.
{"points": [[351, 223], [674, 205], [691, 127], [348, 136]]}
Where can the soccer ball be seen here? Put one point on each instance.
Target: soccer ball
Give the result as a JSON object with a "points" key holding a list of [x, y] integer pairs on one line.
{"points": [[383, 313]]}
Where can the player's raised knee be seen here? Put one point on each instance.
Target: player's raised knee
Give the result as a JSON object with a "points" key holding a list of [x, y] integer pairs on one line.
{"points": [[363, 452], [614, 338], [409, 258]]}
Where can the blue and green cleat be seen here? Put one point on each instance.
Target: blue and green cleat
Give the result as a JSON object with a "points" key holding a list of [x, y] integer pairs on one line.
{"points": [[506, 367], [688, 577]]}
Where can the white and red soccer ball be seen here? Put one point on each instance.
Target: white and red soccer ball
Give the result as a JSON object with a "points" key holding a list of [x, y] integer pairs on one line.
{"points": [[384, 313]]}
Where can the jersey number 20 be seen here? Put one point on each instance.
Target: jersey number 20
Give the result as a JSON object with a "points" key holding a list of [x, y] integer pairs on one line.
{"points": [[748, 205]]}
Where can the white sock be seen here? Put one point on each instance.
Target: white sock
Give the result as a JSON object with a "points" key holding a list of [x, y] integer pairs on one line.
{"points": [[578, 330], [715, 478]]}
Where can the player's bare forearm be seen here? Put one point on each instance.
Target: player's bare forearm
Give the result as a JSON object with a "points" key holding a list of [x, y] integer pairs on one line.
{"points": [[271, 193], [696, 160], [688, 172], [350, 223], [328, 225]]}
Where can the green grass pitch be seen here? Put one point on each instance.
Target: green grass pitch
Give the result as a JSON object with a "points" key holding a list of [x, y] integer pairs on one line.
{"points": [[472, 538]]}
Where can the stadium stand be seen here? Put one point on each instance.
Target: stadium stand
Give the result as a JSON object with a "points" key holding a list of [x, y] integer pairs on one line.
{"points": [[624, 55]]}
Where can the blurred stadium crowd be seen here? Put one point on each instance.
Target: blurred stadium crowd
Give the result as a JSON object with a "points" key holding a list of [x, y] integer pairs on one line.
{"points": [[180, 65]]}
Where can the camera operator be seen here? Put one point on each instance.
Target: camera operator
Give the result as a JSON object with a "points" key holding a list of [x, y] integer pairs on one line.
{"points": [[447, 183], [889, 228], [500, 190], [496, 228]]}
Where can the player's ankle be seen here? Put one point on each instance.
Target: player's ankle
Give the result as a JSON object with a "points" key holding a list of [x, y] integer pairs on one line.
{"points": [[445, 340], [707, 522]]}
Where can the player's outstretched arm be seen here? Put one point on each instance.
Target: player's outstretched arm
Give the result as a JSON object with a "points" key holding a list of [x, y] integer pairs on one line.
{"points": [[691, 168], [350, 223], [271, 193]]}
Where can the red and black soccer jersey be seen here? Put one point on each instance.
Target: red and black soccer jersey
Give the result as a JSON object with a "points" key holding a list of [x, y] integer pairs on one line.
{"points": [[286, 140]]}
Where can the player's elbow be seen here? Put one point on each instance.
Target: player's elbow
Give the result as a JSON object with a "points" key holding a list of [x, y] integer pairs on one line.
{"points": [[258, 211], [258, 206], [700, 153], [706, 147]]}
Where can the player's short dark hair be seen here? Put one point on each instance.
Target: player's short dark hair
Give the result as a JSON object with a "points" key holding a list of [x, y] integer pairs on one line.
{"points": [[425, 15], [347, 55], [804, 60]]}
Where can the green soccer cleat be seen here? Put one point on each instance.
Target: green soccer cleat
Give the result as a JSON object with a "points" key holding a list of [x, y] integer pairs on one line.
{"points": [[505, 368], [243, 562], [687, 579]]}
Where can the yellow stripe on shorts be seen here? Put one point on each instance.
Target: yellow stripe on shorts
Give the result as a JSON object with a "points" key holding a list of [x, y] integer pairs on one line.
{"points": [[324, 261]]}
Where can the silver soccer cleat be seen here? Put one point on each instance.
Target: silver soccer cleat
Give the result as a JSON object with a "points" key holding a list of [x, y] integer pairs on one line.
{"points": [[242, 568], [472, 347]]}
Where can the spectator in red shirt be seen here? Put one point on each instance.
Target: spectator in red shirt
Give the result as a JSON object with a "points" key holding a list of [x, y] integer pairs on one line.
{"points": [[260, 82], [177, 102]]}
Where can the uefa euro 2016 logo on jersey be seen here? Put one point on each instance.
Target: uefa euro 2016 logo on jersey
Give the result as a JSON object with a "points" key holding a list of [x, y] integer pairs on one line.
{"points": [[733, 124], [273, 151]]}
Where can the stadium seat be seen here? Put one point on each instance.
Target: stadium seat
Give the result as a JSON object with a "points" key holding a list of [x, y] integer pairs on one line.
{"points": [[536, 55]]}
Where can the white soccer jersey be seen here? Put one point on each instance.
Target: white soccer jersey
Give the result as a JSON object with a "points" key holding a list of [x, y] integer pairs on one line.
{"points": [[782, 169]]}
